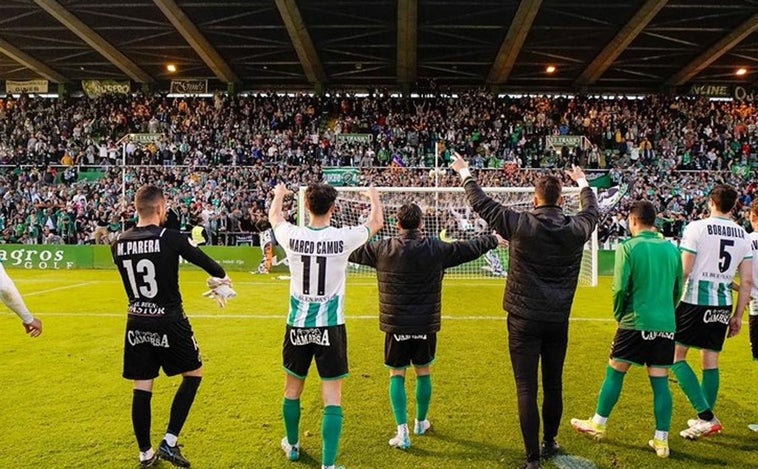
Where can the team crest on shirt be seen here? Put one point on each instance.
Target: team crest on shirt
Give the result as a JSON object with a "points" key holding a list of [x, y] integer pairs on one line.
{"points": [[309, 336]]}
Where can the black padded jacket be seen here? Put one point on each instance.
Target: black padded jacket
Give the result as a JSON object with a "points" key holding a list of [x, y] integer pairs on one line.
{"points": [[545, 252], [409, 271]]}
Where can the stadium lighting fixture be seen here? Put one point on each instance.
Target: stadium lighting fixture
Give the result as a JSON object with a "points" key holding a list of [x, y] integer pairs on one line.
{"points": [[171, 68], [550, 69], [740, 72]]}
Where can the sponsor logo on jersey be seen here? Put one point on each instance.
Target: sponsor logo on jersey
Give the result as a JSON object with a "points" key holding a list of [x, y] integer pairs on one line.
{"points": [[142, 308], [147, 337], [309, 336], [401, 337], [650, 335], [717, 315], [145, 246]]}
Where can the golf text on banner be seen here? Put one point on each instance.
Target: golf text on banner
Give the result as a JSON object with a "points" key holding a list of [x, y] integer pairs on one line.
{"points": [[28, 86]]}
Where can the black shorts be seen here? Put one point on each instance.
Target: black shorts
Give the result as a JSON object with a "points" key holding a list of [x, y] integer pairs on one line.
{"points": [[400, 351], [152, 344], [754, 336], [702, 327], [328, 345], [643, 348]]}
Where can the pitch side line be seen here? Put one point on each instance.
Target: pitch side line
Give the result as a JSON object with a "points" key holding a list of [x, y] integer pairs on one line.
{"points": [[50, 290], [284, 317]]}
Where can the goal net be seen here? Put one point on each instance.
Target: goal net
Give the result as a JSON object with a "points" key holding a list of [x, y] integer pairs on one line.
{"points": [[447, 216]]}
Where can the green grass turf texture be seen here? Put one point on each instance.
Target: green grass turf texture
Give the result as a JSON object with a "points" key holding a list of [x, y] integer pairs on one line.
{"points": [[66, 405]]}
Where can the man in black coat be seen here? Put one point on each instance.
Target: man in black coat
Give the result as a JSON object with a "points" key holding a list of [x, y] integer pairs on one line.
{"points": [[546, 249], [409, 269]]}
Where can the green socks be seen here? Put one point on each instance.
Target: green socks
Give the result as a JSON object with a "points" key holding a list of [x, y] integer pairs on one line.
{"points": [[331, 429], [710, 386], [662, 403], [609, 391], [690, 386], [291, 413], [398, 399], [423, 396]]}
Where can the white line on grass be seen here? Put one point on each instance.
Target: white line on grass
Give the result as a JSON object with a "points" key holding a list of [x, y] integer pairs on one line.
{"points": [[282, 316], [50, 290]]}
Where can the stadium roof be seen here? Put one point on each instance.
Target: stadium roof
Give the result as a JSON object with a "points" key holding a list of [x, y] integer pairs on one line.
{"points": [[635, 45]]}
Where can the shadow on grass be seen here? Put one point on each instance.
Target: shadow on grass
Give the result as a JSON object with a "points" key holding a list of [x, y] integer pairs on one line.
{"points": [[677, 454], [471, 451]]}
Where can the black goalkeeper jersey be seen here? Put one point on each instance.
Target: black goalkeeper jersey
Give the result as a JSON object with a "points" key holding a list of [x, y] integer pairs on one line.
{"points": [[148, 261]]}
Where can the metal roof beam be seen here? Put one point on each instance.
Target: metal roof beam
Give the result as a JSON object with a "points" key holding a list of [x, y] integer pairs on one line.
{"points": [[301, 40], [97, 42], [30, 62], [407, 40], [195, 38], [513, 41], [625, 36], [723, 46]]}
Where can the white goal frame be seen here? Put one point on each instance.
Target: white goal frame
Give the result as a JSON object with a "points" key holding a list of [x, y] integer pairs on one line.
{"points": [[591, 248]]}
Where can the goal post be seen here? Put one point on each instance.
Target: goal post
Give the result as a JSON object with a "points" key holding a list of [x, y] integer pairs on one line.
{"points": [[447, 216]]}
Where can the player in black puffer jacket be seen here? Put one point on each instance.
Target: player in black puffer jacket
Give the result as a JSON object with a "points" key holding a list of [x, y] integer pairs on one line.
{"points": [[409, 270]]}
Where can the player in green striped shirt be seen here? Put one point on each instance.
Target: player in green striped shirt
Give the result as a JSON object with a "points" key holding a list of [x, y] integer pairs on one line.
{"points": [[647, 285], [714, 250], [318, 257]]}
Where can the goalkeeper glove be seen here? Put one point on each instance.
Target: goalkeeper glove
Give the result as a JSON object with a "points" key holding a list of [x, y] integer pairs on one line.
{"points": [[220, 290]]}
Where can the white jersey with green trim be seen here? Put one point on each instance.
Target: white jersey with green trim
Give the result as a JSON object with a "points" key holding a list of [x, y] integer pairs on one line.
{"points": [[719, 245], [754, 290], [318, 268]]}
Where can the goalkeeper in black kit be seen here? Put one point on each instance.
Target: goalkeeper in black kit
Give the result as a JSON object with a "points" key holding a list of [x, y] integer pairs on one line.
{"points": [[158, 333]]}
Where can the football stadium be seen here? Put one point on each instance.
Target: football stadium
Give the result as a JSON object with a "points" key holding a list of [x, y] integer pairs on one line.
{"points": [[387, 234]]}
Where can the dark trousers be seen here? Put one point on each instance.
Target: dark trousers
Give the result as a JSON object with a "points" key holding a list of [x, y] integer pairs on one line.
{"points": [[528, 341]]}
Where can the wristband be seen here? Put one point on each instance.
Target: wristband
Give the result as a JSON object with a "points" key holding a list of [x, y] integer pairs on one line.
{"points": [[582, 182]]}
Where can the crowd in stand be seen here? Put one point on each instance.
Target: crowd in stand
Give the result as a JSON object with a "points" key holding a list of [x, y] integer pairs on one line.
{"points": [[236, 148]]}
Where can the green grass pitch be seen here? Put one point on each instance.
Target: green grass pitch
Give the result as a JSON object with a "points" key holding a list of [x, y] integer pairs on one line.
{"points": [[66, 405]]}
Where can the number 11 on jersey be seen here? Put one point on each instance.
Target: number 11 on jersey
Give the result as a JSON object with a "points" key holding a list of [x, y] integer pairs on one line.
{"points": [[321, 262]]}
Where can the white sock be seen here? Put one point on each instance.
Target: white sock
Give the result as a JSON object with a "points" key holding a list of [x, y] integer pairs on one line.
{"points": [[401, 429], [599, 420], [170, 439], [145, 455], [663, 436]]}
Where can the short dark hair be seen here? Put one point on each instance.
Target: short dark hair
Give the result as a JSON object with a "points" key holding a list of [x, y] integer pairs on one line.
{"points": [[643, 211], [548, 189], [724, 196], [409, 216], [147, 200], [319, 198]]}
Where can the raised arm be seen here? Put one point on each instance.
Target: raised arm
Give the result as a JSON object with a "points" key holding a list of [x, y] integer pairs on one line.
{"points": [[588, 211], [501, 219], [275, 215], [375, 220]]}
